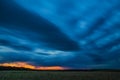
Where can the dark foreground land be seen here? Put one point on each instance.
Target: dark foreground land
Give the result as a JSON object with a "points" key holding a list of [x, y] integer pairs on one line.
{"points": [[59, 75]]}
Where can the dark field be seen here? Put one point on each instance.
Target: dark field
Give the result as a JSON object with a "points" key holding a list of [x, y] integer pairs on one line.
{"points": [[59, 75]]}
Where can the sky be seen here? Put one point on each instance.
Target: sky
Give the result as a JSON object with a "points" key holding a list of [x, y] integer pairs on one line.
{"points": [[62, 34]]}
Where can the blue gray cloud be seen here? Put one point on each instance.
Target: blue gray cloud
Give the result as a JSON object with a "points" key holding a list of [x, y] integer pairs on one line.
{"points": [[77, 34]]}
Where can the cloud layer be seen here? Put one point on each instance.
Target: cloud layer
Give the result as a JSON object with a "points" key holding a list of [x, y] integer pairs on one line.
{"points": [[74, 34]]}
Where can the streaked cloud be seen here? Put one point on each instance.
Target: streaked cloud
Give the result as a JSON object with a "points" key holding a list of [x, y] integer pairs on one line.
{"points": [[78, 34]]}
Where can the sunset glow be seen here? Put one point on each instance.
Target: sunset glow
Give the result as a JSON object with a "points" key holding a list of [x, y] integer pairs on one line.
{"points": [[28, 66]]}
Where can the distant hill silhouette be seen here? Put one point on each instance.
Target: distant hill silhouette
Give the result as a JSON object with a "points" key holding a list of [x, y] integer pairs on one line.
{"points": [[13, 68]]}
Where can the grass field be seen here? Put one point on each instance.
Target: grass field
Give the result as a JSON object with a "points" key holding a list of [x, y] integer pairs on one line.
{"points": [[58, 75]]}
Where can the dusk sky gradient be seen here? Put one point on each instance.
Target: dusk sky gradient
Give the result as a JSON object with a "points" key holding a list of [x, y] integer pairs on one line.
{"points": [[73, 34]]}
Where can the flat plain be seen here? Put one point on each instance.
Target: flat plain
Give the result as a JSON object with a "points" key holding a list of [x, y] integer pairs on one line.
{"points": [[59, 75]]}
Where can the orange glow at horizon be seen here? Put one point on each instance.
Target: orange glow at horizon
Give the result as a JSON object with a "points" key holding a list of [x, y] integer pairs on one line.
{"points": [[28, 66]]}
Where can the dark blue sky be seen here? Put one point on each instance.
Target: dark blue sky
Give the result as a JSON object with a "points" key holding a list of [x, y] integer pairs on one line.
{"points": [[73, 33]]}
